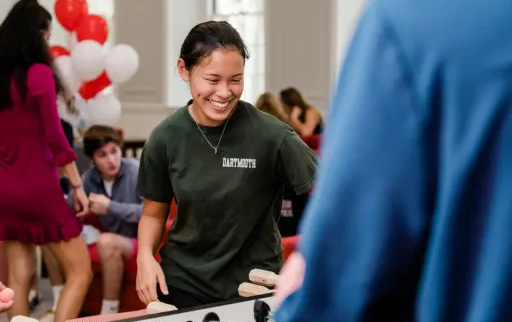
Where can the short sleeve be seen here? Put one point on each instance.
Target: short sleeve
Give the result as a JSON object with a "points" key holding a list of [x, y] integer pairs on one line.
{"points": [[41, 87], [297, 163], [154, 182]]}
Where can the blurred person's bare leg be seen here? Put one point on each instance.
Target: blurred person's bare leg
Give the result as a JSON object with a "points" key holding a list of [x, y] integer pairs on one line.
{"points": [[55, 274], [73, 256], [21, 263]]}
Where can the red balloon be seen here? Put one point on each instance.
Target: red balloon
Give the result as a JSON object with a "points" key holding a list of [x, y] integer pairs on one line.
{"points": [[70, 12], [90, 89], [57, 51], [92, 27]]}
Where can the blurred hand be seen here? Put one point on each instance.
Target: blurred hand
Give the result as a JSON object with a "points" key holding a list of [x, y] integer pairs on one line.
{"points": [[98, 204], [81, 202], [71, 106], [6, 297], [295, 114], [149, 274], [291, 277]]}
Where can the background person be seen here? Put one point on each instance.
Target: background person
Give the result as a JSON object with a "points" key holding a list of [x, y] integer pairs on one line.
{"points": [[33, 210]]}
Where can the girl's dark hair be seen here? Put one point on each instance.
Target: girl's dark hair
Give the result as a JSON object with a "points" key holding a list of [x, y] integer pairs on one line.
{"points": [[22, 44], [291, 97], [205, 37]]}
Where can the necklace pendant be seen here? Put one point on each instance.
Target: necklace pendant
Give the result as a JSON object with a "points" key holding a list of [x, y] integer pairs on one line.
{"points": [[215, 150]]}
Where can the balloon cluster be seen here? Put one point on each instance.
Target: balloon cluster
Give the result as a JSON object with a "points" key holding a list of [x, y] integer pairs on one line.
{"points": [[85, 66]]}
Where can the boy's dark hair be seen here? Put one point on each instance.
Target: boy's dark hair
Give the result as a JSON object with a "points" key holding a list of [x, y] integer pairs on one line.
{"points": [[97, 136], [208, 36]]}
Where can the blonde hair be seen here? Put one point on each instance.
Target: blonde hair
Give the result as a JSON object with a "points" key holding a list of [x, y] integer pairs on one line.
{"points": [[268, 103]]}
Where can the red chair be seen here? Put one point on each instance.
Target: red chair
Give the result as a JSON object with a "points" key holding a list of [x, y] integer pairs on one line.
{"points": [[313, 141], [289, 245], [129, 300]]}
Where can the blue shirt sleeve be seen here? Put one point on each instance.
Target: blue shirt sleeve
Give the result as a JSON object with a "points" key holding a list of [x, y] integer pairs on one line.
{"points": [[365, 230]]}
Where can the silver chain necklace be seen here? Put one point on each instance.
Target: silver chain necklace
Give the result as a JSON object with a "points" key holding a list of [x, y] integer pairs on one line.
{"points": [[215, 148]]}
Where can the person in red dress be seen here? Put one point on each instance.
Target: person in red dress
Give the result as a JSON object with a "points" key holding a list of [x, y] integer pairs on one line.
{"points": [[33, 210]]}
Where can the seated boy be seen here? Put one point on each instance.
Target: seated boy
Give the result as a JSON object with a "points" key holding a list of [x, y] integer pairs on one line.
{"points": [[110, 185]]}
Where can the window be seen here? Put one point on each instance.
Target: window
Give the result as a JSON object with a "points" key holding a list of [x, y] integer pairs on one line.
{"points": [[247, 16]]}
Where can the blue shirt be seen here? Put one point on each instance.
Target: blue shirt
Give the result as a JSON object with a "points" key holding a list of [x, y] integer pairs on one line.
{"points": [[125, 207], [411, 218]]}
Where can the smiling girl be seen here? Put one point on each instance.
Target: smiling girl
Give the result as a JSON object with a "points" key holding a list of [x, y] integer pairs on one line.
{"points": [[226, 164]]}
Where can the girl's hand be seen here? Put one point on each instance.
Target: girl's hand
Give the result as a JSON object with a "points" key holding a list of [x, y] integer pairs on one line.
{"points": [[149, 274], [81, 202]]}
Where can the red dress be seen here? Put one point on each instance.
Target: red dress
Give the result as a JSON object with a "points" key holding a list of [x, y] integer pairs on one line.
{"points": [[32, 146]]}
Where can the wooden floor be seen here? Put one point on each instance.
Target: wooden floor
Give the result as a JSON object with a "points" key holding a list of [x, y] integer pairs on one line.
{"points": [[42, 309]]}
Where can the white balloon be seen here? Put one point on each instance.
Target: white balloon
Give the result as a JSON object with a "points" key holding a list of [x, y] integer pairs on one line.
{"points": [[122, 63], [64, 65], [104, 109], [88, 59]]}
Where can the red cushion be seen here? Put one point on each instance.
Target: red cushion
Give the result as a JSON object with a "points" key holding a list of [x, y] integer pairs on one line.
{"points": [[130, 268], [313, 141], [289, 244], [95, 257]]}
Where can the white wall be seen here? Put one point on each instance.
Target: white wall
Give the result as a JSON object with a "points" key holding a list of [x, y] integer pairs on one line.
{"points": [[305, 41], [307, 44], [156, 90], [300, 38], [181, 17], [5, 6], [348, 13], [59, 35], [301, 51], [142, 25]]}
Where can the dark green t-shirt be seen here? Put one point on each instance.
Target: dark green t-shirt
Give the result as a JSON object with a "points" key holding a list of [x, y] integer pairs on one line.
{"points": [[228, 202]]}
